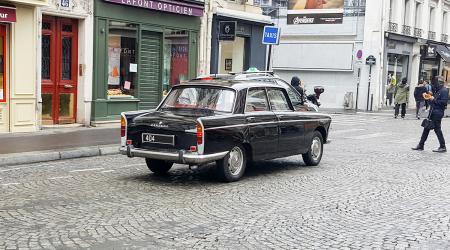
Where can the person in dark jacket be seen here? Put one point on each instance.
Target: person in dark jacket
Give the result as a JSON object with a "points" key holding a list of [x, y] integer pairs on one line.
{"points": [[418, 96], [296, 83], [438, 104]]}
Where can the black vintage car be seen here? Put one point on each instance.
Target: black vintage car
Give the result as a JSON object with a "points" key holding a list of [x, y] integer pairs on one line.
{"points": [[229, 122]]}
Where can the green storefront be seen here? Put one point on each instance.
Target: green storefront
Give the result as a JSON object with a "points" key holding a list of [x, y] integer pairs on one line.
{"points": [[141, 49]]}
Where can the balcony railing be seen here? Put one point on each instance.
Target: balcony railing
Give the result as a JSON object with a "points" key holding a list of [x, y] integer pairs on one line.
{"points": [[406, 30], [431, 35], [393, 27], [418, 32], [444, 38]]}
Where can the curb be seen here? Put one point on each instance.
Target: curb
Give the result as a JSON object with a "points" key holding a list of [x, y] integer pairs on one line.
{"points": [[63, 154]]}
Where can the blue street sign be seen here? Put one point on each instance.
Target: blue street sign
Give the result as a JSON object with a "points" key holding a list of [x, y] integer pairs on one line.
{"points": [[271, 35]]}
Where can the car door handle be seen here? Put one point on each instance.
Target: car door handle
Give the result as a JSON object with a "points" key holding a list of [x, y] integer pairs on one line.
{"points": [[250, 119]]}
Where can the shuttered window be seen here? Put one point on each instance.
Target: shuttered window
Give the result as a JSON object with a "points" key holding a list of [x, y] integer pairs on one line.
{"points": [[150, 70]]}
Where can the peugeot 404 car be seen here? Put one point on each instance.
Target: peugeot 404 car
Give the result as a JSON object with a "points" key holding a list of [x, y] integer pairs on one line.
{"points": [[229, 122]]}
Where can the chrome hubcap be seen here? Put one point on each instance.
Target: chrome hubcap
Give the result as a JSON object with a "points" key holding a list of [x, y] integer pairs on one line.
{"points": [[316, 149], [235, 161]]}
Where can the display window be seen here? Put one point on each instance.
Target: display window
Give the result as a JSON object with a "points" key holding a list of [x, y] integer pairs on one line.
{"points": [[2, 63], [122, 60], [176, 58]]}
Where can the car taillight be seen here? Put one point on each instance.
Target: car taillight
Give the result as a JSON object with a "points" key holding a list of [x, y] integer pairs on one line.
{"points": [[123, 124], [199, 134]]}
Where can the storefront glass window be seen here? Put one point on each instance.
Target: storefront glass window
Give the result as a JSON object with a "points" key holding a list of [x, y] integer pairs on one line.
{"points": [[122, 61], [176, 58]]}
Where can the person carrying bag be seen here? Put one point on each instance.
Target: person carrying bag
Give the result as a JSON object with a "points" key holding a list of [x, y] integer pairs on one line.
{"points": [[438, 103]]}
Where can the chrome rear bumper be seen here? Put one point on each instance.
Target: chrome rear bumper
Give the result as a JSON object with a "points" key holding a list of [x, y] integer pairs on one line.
{"points": [[176, 156]]}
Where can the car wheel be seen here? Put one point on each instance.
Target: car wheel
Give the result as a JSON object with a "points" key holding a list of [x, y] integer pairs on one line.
{"points": [[232, 166], [158, 166], [315, 152]]}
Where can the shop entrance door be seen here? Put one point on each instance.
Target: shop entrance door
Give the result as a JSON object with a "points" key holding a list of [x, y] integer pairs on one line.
{"points": [[59, 70], [4, 106]]}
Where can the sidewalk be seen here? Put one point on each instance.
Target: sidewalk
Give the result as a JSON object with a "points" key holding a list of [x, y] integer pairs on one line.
{"points": [[61, 143]]}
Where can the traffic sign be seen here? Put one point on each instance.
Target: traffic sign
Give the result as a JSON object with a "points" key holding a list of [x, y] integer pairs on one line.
{"points": [[371, 60], [271, 35]]}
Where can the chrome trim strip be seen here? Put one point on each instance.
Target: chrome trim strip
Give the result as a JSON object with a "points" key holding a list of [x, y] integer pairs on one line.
{"points": [[262, 123], [184, 157]]}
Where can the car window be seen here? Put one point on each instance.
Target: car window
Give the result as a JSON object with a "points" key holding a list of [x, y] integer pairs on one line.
{"points": [[200, 98], [278, 101], [293, 95], [256, 101]]}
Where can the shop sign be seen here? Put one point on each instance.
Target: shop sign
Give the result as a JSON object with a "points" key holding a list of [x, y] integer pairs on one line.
{"points": [[7, 14], [228, 64], [315, 12], [227, 30], [431, 51], [166, 6]]}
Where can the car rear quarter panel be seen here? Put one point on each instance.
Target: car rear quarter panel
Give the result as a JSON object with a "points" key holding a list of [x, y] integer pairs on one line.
{"points": [[223, 132]]}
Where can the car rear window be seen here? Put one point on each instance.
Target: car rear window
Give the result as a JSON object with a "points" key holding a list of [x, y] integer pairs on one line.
{"points": [[201, 98]]}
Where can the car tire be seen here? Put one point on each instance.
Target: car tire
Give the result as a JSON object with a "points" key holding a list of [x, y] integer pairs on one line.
{"points": [[158, 167], [232, 166], [315, 152]]}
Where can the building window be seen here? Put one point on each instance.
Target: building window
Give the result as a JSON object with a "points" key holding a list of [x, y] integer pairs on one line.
{"points": [[122, 61], [176, 58]]}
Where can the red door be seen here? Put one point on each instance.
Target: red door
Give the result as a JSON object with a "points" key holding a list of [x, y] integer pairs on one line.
{"points": [[59, 70]]}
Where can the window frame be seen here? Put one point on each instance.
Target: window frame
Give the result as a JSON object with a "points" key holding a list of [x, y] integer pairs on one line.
{"points": [[246, 100], [286, 96]]}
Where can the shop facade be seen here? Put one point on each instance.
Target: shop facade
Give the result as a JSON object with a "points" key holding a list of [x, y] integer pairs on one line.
{"points": [[66, 53], [18, 63], [245, 49], [141, 49], [401, 59]]}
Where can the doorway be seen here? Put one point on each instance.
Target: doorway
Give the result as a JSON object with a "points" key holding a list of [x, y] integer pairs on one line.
{"points": [[4, 106], [59, 70]]}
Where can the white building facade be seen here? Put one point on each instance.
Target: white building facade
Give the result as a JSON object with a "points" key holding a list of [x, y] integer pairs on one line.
{"points": [[397, 33]]}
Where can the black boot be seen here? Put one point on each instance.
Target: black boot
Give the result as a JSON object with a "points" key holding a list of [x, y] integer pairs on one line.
{"points": [[440, 150], [418, 148]]}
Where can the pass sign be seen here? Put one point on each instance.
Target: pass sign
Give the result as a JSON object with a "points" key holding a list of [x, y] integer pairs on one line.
{"points": [[271, 35]]}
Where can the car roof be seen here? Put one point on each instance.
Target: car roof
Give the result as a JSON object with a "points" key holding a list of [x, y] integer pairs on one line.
{"points": [[233, 84]]}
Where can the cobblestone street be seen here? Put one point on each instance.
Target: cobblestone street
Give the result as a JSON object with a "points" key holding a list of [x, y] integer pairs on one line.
{"points": [[370, 191]]}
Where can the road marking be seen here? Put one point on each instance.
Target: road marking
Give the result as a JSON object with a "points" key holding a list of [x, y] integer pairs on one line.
{"points": [[60, 177], [85, 170], [12, 169], [108, 171], [369, 136], [332, 132], [10, 184]]}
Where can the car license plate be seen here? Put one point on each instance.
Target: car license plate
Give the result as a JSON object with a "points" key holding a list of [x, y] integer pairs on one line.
{"points": [[157, 138]]}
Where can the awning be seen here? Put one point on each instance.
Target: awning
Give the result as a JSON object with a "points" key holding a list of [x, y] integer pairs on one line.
{"points": [[444, 52], [257, 18], [7, 14]]}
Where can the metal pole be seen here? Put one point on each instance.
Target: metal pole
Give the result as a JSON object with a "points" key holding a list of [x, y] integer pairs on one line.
{"points": [[269, 58], [371, 102], [357, 88], [368, 88]]}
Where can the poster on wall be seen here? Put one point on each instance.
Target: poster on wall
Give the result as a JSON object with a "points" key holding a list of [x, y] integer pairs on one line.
{"points": [[114, 66], [315, 12]]}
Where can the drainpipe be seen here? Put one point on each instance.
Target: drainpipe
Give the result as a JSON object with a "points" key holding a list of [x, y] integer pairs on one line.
{"points": [[208, 38]]}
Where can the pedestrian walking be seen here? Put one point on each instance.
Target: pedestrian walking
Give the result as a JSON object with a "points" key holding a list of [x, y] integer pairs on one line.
{"points": [[420, 100], [438, 103], [390, 90], [401, 96]]}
